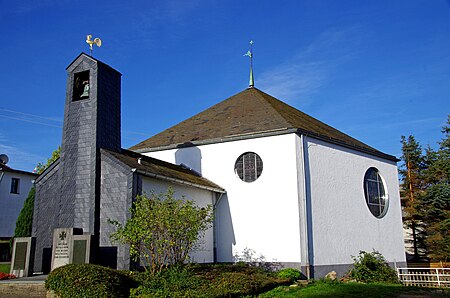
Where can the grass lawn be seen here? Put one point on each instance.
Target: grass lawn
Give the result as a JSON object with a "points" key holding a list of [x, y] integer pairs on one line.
{"points": [[326, 289], [5, 268]]}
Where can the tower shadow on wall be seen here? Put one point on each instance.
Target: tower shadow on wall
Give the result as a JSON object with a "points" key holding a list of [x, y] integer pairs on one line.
{"points": [[224, 231], [189, 155]]}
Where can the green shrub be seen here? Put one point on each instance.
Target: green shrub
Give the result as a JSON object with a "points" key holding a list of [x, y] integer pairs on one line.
{"points": [[290, 273], [175, 281], [88, 280], [217, 280], [372, 267]]}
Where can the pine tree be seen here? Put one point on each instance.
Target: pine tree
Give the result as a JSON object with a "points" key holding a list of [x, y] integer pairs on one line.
{"points": [[435, 203], [411, 190]]}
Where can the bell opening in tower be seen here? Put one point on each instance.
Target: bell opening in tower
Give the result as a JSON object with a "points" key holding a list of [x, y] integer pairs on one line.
{"points": [[81, 85]]}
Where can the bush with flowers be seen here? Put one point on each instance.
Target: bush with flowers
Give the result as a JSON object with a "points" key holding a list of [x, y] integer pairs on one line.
{"points": [[6, 276]]}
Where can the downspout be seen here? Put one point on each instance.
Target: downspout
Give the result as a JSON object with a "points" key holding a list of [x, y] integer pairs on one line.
{"points": [[214, 226], [303, 211]]}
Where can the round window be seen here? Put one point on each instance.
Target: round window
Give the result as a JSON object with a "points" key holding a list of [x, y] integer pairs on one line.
{"points": [[248, 166], [375, 193]]}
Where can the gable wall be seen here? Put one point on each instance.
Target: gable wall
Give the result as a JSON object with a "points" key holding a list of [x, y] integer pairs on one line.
{"points": [[46, 216], [261, 216], [116, 192], [342, 222]]}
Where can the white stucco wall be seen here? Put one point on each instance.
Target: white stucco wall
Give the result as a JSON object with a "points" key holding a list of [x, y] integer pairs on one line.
{"points": [[261, 216], [342, 222], [11, 203], [204, 253]]}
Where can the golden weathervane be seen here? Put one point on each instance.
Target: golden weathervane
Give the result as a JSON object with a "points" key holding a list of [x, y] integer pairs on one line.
{"points": [[90, 42]]}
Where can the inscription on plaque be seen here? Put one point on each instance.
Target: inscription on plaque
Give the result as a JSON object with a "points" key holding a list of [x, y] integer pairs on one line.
{"points": [[62, 245], [70, 246], [20, 256]]}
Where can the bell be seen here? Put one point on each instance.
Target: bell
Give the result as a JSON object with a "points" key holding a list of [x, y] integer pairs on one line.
{"points": [[85, 91]]}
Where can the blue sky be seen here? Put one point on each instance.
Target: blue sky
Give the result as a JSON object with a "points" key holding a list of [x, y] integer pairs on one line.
{"points": [[375, 70]]}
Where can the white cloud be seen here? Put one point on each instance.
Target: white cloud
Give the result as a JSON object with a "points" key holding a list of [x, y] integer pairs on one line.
{"points": [[305, 72]]}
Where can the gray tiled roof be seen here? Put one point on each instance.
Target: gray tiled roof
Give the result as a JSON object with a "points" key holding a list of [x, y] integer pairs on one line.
{"points": [[249, 112], [159, 169], [5, 168]]}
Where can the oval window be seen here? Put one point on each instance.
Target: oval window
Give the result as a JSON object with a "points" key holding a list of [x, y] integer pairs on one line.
{"points": [[375, 193]]}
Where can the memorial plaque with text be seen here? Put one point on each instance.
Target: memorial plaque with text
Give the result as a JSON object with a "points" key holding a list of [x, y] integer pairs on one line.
{"points": [[62, 239]]}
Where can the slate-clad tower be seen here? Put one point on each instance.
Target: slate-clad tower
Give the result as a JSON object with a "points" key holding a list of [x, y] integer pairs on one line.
{"points": [[91, 121], [68, 193]]}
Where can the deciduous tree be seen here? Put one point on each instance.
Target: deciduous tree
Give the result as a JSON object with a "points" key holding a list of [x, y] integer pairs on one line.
{"points": [[162, 230]]}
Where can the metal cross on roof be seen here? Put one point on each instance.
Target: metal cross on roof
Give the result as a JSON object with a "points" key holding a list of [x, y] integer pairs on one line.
{"points": [[249, 53]]}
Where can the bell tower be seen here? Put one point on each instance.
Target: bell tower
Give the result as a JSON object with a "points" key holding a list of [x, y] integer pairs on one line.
{"points": [[91, 122]]}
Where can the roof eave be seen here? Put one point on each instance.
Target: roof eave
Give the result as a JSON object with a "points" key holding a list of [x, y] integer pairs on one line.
{"points": [[350, 146], [230, 138], [47, 170], [9, 170], [178, 181], [268, 134]]}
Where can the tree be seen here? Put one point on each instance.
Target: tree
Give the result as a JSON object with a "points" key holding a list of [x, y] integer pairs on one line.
{"points": [[435, 203], [426, 196], [162, 230], [41, 167], [436, 206], [25, 220], [411, 190]]}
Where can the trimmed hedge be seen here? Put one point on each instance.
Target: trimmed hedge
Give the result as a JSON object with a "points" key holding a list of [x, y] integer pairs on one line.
{"points": [[208, 281], [88, 280]]}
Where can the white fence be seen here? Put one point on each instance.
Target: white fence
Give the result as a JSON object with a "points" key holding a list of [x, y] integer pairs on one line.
{"points": [[424, 277]]}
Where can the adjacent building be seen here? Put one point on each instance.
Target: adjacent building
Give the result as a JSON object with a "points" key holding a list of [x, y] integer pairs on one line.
{"points": [[14, 188]]}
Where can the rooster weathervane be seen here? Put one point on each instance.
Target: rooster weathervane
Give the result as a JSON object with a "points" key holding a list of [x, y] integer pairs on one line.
{"points": [[90, 42]]}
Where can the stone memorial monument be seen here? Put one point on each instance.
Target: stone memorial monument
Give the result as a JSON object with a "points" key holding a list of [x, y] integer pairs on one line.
{"points": [[21, 265], [70, 247]]}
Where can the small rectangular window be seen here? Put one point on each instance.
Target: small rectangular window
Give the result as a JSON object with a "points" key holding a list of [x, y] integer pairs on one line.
{"points": [[81, 85], [15, 185]]}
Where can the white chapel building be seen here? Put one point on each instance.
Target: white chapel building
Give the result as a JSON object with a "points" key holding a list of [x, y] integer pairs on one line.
{"points": [[297, 191]]}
